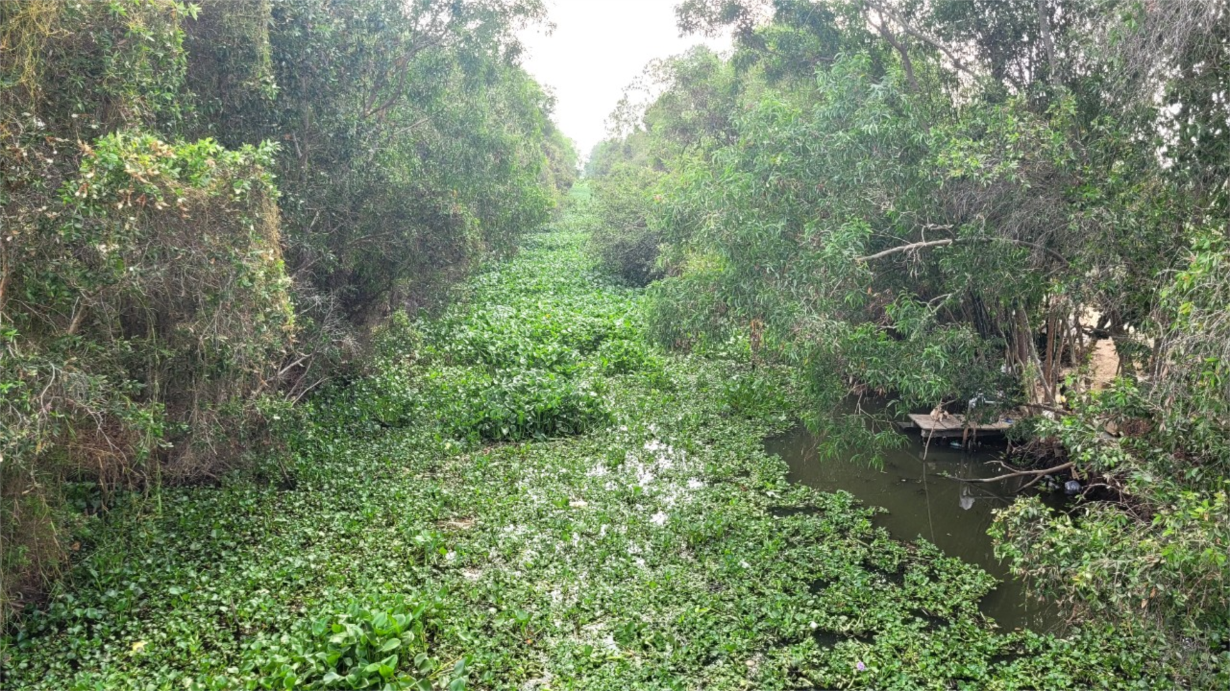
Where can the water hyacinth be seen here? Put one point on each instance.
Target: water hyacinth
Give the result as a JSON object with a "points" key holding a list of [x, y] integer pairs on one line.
{"points": [[644, 553]]}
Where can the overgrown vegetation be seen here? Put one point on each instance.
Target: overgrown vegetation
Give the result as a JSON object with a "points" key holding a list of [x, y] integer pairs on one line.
{"points": [[207, 206], [659, 549], [954, 202], [236, 451]]}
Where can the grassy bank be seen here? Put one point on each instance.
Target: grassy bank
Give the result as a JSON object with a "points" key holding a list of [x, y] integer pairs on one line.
{"points": [[524, 493]]}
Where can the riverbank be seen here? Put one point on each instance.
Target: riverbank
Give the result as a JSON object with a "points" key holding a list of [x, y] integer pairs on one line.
{"points": [[524, 493]]}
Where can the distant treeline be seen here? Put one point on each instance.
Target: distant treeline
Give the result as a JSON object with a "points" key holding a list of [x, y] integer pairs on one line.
{"points": [[206, 206], [955, 204]]}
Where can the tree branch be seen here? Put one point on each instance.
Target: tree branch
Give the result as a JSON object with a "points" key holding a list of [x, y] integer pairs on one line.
{"points": [[4, 284], [906, 64], [921, 35], [906, 248], [1048, 43], [951, 241], [1018, 473]]}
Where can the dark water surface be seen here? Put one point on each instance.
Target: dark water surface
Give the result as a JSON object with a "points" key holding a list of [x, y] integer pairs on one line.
{"points": [[953, 515]]}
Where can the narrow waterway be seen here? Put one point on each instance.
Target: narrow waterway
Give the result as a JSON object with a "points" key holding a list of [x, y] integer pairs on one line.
{"points": [[922, 503]]}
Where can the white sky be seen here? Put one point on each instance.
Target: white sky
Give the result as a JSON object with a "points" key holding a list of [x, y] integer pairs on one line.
{"points": [[598, 48]]}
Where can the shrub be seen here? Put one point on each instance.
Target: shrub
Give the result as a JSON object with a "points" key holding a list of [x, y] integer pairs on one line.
{"points": [[146, 325], [154, 312], [624, 238]]}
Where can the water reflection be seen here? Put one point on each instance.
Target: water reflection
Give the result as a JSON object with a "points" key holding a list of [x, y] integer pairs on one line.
{"points": [[921, 503]]}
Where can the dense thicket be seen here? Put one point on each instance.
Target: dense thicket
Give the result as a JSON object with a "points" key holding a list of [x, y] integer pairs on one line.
{"points": [[206, 205], [954, 203]]}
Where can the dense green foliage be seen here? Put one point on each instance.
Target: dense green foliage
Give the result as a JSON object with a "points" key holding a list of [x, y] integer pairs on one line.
{"points": [[625, 240], [236, 451], [661, 549], [413, 142], [205, 208], [951, 203]]}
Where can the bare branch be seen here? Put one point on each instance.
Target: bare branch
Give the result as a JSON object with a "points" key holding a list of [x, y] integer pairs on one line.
{"points": [[952, 241], [885, 11], [1018, 473], [906, 248]]}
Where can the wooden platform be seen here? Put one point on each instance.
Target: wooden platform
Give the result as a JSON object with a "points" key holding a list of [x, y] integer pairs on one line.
{"points": [[955, 426]]}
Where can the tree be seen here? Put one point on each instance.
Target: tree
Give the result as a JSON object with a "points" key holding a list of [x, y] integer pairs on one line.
{"points": [[953, 201], [161, 299]]}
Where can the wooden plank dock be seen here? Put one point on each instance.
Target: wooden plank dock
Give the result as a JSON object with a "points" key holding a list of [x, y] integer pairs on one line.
{"points": [[955, 426]]}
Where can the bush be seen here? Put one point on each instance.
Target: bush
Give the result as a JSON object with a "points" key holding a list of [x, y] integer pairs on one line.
{"points": [[383, 394], [155, 310], [624, 239], [146, 325]]}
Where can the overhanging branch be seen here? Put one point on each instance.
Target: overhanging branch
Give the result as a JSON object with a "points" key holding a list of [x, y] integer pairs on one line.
{"points": [[952, 241], [1019, 473]]}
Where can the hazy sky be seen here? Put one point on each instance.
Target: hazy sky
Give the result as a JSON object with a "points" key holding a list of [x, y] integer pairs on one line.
{"points": [[599, 47]]}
